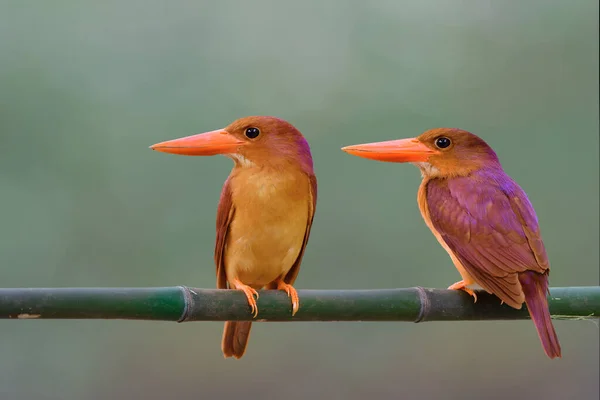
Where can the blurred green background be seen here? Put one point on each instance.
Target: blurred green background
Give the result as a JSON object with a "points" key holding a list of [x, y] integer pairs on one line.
{"points": [[86, 87]]}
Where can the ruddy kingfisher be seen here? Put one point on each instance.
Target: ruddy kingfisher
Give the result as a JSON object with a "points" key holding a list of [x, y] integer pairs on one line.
{"points": [[480, 216], [265, 212]]}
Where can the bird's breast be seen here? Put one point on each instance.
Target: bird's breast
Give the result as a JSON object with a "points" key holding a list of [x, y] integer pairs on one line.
{"points": [[268, 227]]}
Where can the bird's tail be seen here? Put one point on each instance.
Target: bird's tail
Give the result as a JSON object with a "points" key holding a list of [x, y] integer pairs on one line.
{"points": [[535, 287], [235, 338]]}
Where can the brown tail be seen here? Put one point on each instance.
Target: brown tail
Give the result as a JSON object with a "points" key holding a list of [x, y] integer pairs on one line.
{"points": [[535, 287], [235, 338]]}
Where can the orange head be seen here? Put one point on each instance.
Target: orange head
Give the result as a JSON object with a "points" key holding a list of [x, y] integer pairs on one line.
{"points": [[257, 140], [440, 152]]}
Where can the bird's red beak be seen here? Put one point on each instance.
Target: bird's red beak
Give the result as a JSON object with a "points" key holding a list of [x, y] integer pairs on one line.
{"points": [[203, 144], [403, 150]]}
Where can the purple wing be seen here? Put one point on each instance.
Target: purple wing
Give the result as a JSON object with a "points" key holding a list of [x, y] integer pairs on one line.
{"points": [[491, 227]]}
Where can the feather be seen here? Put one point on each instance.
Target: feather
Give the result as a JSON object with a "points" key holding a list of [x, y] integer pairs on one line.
{"points": [[290, 277], [225, 212], [490, 227]]}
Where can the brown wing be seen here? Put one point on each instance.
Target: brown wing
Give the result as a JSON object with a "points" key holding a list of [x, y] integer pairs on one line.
{"points": [[225, 213], [312, 202], [491, 227]]}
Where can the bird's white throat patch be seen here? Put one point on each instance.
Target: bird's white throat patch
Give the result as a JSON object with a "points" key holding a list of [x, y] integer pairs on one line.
{"points": [[240, 159], [427, 169]]}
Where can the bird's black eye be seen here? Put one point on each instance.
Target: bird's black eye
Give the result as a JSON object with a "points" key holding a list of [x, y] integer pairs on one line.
{"points": [[442, 142], [252, 132]]}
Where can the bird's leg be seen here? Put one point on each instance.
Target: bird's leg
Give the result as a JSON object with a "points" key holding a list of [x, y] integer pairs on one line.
{"points": [[249, 292], [460, 285], [291, 292]]}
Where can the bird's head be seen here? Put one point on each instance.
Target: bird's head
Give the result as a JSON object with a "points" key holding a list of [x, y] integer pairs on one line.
{"points": [[249, 141], [440, 152]]}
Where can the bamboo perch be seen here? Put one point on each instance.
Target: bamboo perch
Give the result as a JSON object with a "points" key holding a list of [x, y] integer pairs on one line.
{"points": [[184, 304]]}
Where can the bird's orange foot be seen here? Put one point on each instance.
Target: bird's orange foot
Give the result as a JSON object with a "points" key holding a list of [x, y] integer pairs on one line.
{"points": [[291, 292], [250, 293], [461, 286]]}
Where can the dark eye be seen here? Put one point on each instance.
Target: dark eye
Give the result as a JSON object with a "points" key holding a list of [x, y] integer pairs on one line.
{"points": [[252, 132], [442, 142]]}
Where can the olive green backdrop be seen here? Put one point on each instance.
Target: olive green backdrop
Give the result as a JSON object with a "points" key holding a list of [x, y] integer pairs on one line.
{"points": [[86, 87]]}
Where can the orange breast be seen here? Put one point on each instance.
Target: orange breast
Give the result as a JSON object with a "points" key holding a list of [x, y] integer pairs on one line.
{"points": [[270, 220]]}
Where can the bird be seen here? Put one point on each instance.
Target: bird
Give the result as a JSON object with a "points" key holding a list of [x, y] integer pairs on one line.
{"points": [[481, 217], [265, 211]]}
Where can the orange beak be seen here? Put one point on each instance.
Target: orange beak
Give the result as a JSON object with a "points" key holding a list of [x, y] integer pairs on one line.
{"points": [[403, 150], [203, 144]]}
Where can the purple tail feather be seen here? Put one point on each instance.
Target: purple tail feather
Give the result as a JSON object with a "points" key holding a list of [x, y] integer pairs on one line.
{"points": [[535, 287]]}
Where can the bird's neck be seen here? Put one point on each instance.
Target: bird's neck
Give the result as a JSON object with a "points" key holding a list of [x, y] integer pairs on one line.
{"points": [[274, 165], [263, 183], [429, 171], [483, 175]]}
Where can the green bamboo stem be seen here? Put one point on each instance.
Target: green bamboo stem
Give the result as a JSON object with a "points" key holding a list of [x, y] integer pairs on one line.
{"points": [[184, 304]]}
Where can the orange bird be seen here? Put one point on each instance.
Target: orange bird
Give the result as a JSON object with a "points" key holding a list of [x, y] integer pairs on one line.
{"points": [[481, 217], [265, 212]]}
